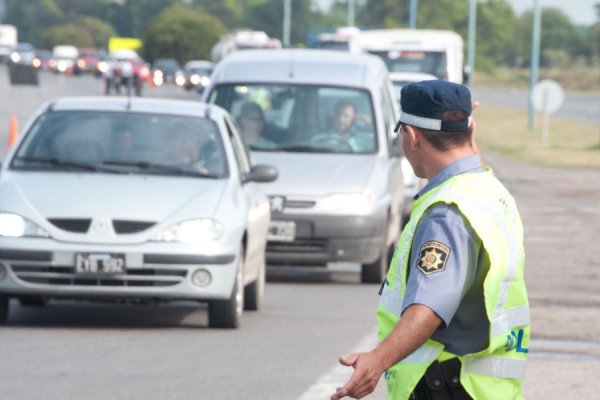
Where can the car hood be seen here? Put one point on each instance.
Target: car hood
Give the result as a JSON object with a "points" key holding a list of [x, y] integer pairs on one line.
{"points": [[316, 175], [127, 197]]}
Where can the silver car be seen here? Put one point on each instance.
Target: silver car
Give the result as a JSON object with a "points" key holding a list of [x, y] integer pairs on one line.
{"points": [[116, 198]]}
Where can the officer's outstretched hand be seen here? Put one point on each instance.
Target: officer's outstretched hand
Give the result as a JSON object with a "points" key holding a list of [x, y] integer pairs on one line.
{"points": [[367, 371]]}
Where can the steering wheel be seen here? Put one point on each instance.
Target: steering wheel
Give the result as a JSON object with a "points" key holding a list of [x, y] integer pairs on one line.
{"points": [[334, 142]]}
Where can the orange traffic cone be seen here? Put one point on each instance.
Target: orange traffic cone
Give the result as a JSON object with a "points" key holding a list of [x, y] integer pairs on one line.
{"points": [[13, 132]]}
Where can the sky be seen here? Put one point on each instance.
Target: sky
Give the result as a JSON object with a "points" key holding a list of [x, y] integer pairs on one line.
{"points": [[581, 12]]}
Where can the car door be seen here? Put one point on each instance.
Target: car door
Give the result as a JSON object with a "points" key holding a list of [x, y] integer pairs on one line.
{"points": [[259, 210]]}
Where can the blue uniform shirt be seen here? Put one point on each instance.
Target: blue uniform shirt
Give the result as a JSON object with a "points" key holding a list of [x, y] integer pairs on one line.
{"points": [[447, 268]]}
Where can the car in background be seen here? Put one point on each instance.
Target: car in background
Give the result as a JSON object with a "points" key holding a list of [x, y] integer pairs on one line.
{"points": [[42, 59], [197, 74], [23, 53], [115, 199], [63, 58], [338, 198], [167, 70], [86, 60]]}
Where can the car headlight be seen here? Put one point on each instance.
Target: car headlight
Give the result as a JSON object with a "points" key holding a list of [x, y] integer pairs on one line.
{"points": [[205, 81], [191, 231], [13, 225], [353, 203]]}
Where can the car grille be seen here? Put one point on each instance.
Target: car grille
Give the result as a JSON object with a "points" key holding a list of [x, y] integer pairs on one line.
{"points": [[125, 227], [299, 204], [38, 269], [298, 246], [77, 225]]}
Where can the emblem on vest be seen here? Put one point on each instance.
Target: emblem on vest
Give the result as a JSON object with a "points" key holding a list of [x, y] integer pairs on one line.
{"points": [[433, 257]]}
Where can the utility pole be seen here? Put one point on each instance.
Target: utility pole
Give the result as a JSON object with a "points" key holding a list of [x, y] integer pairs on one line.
{"points": [[535, 59], [412, 18], [351, 12], [287, 11], [471, 39]]}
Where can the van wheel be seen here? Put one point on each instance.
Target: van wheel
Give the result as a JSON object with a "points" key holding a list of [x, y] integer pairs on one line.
{"points": [[376, 271], [3, 309], [255, 291], [228, 313]]}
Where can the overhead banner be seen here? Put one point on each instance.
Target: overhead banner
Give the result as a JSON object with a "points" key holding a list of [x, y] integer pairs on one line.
{"points": [[123, 43], [23, 74]]}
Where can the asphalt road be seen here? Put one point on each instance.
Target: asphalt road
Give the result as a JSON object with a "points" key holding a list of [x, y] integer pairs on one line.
{"points": [[289, 349]]}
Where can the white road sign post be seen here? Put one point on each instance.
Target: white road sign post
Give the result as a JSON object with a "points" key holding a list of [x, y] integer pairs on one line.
{"points": [[547, 97]]}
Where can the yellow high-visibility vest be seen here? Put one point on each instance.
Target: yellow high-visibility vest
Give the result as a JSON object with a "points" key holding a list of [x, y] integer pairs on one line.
{"points": [[497, 371]]}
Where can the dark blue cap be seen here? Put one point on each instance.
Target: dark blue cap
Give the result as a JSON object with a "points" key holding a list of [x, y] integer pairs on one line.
{"points": [[424, 103]]}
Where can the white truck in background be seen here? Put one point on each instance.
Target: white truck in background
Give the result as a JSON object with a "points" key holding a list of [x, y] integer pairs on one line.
{"points": [[8, 40], [413, 55], [240, 40]]}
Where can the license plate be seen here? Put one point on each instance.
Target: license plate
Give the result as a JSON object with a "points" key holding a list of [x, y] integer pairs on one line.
{"points": [[282, 231], [99, 263]]}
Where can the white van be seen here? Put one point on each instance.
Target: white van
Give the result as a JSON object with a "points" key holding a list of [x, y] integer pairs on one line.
{"points": [[414, 55], [338, 198]]}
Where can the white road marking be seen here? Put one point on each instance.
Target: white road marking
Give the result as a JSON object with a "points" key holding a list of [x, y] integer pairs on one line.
{"points": [[338, 375]]}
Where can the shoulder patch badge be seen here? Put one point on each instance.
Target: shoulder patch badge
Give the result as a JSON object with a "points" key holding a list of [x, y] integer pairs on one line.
{"points": [[433, 257]]}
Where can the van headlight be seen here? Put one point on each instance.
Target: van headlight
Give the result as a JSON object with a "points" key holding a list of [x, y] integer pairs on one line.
{"points": [[191, 231], [348, 203], [13, 225]]}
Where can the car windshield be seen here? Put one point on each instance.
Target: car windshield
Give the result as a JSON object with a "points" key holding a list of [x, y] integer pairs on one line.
{"points": [[123, 142], [301, 118], [427, 62]]}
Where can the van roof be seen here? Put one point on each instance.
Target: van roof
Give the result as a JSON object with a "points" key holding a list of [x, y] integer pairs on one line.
{"points": [[300, 66]]}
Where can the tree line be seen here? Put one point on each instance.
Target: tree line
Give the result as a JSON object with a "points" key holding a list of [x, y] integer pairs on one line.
{"points": [[187, 29]]}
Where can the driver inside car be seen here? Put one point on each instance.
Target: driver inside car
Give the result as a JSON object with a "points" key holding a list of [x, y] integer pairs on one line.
{"points": [[347, 132]]}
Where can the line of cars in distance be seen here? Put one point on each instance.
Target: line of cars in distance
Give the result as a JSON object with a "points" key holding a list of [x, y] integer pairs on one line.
{"points": [[123, 198]]}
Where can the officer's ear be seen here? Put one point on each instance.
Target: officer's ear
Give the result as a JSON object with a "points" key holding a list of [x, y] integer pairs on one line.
{"points": [[414, 136]]}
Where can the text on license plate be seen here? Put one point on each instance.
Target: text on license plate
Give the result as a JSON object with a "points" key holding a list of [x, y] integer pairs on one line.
{"points": [[282, 231], [99, 263]]}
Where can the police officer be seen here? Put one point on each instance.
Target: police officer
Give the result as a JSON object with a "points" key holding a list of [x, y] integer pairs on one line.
{"points": [[453, 314]]}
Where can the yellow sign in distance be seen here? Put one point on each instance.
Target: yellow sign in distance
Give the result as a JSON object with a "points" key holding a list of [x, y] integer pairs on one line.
{"points": [[123, 43]]}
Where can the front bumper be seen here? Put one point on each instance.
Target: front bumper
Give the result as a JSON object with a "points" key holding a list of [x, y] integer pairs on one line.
{"points": [[161, 271], [330, 238]]}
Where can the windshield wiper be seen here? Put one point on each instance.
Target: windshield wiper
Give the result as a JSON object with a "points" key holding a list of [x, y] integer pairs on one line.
{"points": [[263, 148], [306, 147], [66, 163], [145, 165]]}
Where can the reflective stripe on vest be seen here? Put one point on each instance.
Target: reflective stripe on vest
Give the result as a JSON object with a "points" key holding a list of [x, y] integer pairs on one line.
{"points": [[424, 354], [499, 367]]}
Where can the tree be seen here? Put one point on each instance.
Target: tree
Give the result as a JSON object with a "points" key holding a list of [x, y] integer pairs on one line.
{"points": [[229, 12], [99, 30], [73, 34], [182, 33], [495, 43]]}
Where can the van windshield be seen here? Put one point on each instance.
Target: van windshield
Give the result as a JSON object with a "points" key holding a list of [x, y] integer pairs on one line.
{"points": [[427, 62], [301, 118]]}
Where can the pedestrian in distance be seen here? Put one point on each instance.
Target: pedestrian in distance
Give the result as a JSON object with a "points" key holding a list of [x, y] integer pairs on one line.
{"points": [[453, 314]]}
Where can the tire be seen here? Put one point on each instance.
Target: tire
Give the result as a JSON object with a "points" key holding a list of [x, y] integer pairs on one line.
{"points": [[3, 309], [228, 313], [34, 301], [255, 291], [376, 271]]}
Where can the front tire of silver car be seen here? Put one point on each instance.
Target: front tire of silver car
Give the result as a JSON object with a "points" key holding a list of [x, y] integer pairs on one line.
{"points": [[228, 313], [255, 291], [376, 271], [3, 309]]}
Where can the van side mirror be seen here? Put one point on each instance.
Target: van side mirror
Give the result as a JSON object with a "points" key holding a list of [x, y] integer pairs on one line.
{"points": [[260, 173]]}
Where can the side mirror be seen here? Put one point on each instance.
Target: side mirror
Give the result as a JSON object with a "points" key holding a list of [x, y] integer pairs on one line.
{"points": [[261, 173], [396, 147]]}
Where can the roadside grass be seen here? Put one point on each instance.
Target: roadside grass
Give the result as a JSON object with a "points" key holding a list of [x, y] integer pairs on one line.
{"points": [[570, 143]]}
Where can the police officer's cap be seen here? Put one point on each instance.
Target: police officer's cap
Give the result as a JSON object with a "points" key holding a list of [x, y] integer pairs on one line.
{"points": [[424, 103]]}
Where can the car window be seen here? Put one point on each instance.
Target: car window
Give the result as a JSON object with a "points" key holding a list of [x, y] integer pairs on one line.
{"points": [[241, 155], [124, 142], [306, 118]]}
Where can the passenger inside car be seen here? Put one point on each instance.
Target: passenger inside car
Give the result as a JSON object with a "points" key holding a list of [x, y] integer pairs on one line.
{"points": [[197, 151], [252, 126]]}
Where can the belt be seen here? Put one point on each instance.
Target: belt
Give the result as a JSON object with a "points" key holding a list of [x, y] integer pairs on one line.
{"points": [[441, 382]]}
